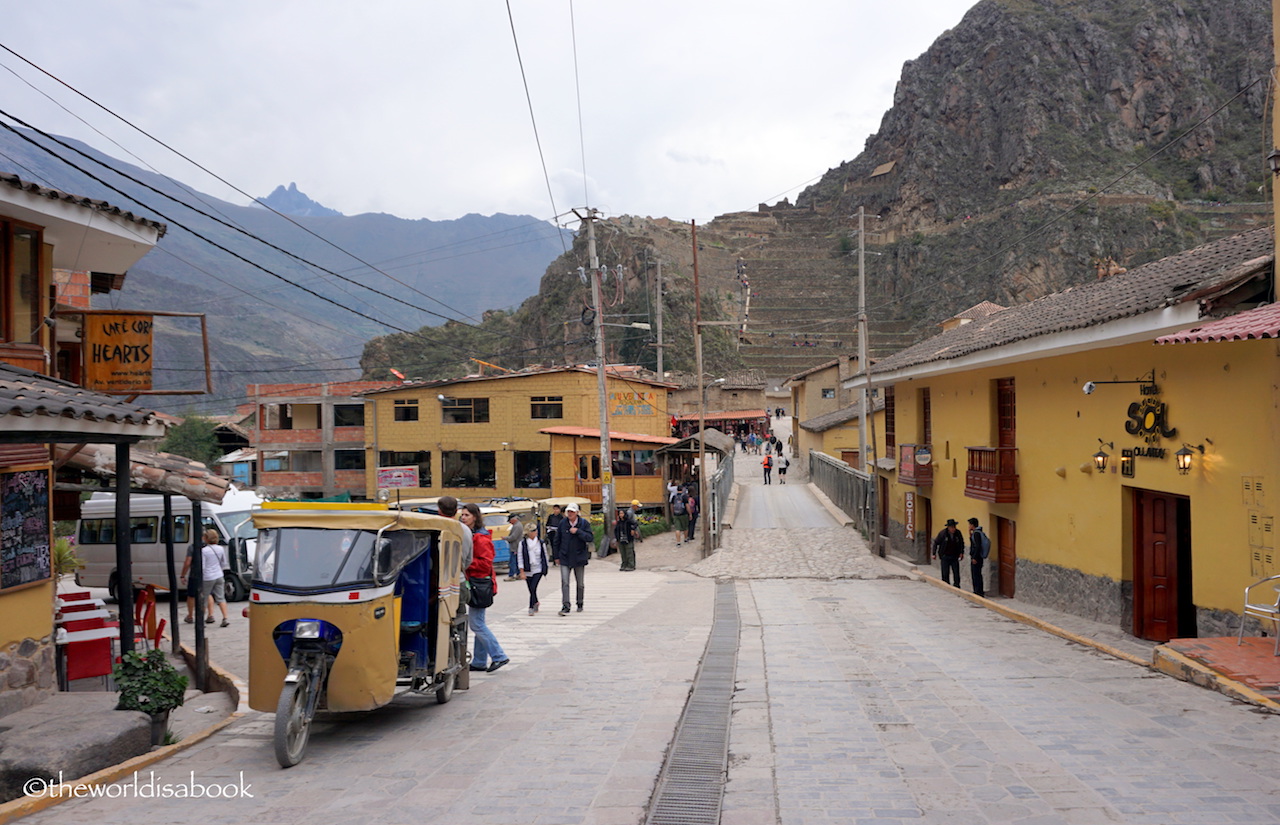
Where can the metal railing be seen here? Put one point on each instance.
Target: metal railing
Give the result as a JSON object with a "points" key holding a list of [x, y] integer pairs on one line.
{"points": [[853, 491], [720, 486]]}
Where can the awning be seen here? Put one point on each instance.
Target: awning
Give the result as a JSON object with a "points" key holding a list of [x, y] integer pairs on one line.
{"points": [[717, 442], [1254, 324], [149, 472]]}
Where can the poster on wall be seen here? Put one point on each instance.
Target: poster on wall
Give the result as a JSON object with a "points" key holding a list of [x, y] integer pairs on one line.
{"points": [[25, 526]]}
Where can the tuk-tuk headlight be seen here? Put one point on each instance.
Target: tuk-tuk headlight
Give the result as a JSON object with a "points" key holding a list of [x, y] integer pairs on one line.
{"points": [[307, 629]]}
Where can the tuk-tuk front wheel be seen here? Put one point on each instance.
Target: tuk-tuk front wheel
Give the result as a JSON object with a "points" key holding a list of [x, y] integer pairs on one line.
{"points": [[293, 724], [445, 692]]}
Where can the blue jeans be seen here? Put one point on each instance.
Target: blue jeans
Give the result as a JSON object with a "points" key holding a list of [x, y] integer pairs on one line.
{"points": [[487, 650], [577, 573]]}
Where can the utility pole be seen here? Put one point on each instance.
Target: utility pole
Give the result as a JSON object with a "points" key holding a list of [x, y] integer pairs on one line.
{"points": [[606, 453], [864, 364], [702, 398], [862, 335], [661, 311]]}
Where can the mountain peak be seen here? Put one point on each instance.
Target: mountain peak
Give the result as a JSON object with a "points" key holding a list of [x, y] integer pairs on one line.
{"points": [[292, 202]]}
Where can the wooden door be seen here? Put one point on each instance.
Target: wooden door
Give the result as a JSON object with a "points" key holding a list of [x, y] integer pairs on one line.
{"points": [[1161, 571], [1006, 555], [924, 512]]}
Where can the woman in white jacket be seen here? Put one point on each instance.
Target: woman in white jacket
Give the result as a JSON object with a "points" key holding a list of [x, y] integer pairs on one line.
{"points": [[531, 559]]}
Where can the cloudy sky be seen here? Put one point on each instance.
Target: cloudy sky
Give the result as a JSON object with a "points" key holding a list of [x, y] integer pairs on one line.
{"points": [[689, 108]]}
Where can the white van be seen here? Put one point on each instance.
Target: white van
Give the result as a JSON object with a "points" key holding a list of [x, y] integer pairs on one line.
{"points": [[96, 538]]}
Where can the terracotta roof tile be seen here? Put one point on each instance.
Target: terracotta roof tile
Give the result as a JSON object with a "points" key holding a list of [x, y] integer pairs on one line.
{"points": [[26, 393], [1176, 279], [89, 203], [1262, 322]]}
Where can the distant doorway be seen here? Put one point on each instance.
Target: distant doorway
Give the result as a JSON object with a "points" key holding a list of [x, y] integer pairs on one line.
{"points": [[1006, 555], [1162, 605]]}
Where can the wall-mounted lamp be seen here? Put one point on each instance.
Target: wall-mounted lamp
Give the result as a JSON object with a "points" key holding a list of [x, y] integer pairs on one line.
{"points": [[1273, 161], [441, 398], [1184, 456], [1100, 457]]}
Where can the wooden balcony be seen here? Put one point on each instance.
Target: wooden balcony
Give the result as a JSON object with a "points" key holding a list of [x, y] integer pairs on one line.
{"points": [[588, 489], [909, 471], [992, 474]]}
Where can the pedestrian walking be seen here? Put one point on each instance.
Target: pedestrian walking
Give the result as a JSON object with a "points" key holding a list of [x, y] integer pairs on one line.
{"points": [[626, 531], [694, 506], [213, 583], [979, 550], [553, 524], [487, 655], [514, 537], [571, 553], [768, 468], [530, 564], [783, 464], [949, 547], [681, 516]]}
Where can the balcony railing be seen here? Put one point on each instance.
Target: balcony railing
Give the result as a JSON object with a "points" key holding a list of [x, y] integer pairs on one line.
{"points": [[992, 474], [910, 471], [588, 489]]}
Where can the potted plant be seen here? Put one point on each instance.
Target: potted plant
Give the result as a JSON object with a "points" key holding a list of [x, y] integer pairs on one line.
{"points": [[149, 683], [65, 559]]}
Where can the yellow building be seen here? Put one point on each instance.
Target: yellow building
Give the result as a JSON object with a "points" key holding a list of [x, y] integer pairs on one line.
{"points": [[486, 436], [1118, 478], [815, 393]]}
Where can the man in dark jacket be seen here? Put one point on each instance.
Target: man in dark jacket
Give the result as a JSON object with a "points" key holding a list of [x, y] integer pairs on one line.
{"points": [[571, 551], [949, 547]]}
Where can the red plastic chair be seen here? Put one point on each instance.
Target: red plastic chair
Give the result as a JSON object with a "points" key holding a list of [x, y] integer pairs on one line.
{"points": [[86, 660], [84, 624], [159, 634], [144, 627], [77, 608], [75, 596]]}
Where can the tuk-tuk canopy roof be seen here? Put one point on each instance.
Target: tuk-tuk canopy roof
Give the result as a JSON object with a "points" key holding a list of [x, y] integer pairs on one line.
{"points": [[347, 516]]}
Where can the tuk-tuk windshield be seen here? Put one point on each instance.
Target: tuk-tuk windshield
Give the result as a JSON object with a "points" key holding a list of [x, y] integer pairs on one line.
{"points": [[311, 558]]}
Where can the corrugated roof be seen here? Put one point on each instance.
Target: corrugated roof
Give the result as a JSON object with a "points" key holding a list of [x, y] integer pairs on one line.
{"points": [[824, 422], [725, 415], [618, 372], [89, 203], [1262, 322], [30, 395], [594, 432], [1194, 273]]}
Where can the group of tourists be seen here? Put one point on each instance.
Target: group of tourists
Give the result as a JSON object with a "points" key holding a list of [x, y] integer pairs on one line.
{"points": [[685, 509], [949, 547]]}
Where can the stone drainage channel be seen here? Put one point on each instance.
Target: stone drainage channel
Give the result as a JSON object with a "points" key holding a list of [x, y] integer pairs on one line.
{"points": [[690, 788]]}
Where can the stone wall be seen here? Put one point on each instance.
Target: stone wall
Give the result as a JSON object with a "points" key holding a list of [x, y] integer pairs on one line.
{"points": [[27, 674], [1071, 591]]}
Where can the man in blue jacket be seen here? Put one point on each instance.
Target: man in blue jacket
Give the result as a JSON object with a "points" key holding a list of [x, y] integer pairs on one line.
{"points": [[571, 550]]}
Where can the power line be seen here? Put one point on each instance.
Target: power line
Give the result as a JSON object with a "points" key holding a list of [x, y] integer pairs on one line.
{"points": [[529, 100]]}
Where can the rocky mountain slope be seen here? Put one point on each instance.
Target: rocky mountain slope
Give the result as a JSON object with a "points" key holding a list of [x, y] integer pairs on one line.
{"points": [[1037, 145]]}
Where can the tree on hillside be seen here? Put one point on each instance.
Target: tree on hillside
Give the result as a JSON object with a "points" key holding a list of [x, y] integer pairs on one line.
{"points": [[193, 438]]}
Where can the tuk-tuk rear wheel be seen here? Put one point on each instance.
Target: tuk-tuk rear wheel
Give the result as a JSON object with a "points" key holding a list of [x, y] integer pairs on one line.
{"points": [[293, 725]]}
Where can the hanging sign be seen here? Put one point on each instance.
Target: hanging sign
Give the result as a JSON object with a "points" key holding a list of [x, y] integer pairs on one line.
{"points": [[117, 352]]}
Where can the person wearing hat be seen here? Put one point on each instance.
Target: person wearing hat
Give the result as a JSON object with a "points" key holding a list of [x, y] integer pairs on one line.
{"points": [[513, 543], [571, 551], [949, 548], [626, 530]]}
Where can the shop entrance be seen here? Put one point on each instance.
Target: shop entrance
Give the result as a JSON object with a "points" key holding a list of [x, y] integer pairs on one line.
{"points": [[1162, 606], [1007, 555]]}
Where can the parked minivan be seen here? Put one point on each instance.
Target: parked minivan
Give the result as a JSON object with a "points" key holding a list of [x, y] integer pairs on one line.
{"points": [[96, 538]]}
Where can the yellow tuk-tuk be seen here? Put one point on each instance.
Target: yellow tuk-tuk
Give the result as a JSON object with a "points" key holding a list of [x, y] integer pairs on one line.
{"points": [[351, 604]]}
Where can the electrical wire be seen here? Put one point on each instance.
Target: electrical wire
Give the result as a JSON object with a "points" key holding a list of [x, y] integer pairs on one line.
{"points": [[529, 100]]}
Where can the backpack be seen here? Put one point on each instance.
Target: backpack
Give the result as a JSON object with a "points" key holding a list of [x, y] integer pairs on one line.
{"points": [[984, 543], [768, 462], [677, 506]]}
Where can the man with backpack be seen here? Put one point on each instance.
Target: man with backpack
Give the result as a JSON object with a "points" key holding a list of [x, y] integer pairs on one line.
{"points": [[768, 468], [979, 549]]}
